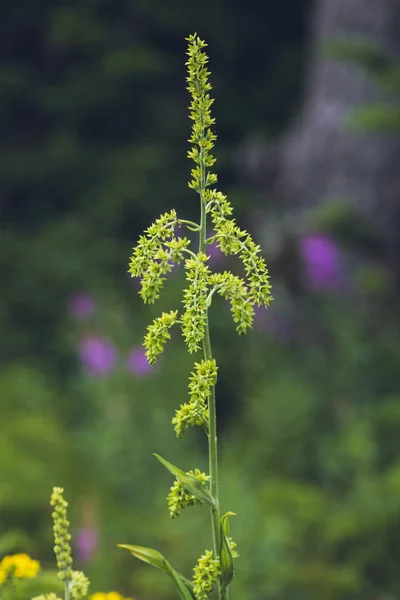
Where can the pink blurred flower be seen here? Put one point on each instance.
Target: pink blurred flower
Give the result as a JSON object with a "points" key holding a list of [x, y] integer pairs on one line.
{"points": [[81, 306], [98, 356], [137, 362], [86, 543], [322, 260]]}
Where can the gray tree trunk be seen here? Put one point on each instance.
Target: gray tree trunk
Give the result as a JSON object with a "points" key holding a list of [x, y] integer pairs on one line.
{"points": [[322, 158]]}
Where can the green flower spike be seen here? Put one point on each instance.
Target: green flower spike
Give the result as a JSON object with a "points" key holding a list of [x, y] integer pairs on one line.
{"points": [[62, 538], [194, 318], [157, 250], [75, 582]]}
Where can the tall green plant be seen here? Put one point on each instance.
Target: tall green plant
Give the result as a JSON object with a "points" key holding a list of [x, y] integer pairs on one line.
{"points": [[157, 250]]}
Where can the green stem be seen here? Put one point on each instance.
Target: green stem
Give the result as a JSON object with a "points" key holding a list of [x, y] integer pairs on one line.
{"points": [[212, 412], [192, 254], [67, 589], [191, 225]]}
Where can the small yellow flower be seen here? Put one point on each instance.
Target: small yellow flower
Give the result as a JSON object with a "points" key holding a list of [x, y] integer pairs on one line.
{"points": [[108, 596], [20, 566]]}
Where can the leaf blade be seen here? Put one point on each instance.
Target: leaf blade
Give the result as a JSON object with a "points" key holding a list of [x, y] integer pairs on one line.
{"points": [[192, 485], [157, 560]]}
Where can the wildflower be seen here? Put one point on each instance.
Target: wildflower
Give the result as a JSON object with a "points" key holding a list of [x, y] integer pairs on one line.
{"points": [[20, 566], [108, 596], [81, 306], [98, 356], [322, 262], [137, 362]]}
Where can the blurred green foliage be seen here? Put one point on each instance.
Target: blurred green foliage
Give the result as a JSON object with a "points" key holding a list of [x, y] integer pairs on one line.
{"points": [[93, 107], [382, 116]]}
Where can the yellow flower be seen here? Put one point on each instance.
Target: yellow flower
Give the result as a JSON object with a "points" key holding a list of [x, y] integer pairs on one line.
{"points": [[20, 566], [108, 596], [50, 596]]}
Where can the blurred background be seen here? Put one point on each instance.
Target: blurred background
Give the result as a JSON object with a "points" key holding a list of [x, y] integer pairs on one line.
{"points": [[94, 125]]}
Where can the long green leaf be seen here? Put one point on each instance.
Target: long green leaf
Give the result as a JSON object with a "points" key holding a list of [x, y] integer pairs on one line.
{"points": [[192, 485], [226, 558], [156, 559], [148, 555]]}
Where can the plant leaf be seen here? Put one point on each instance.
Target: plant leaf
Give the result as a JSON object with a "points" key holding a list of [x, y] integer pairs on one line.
{"points": [[156, 559], [148, 555], [184, 586], [226, 558], [192, 485]]}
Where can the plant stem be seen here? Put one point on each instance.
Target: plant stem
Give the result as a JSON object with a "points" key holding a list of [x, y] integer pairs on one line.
{"points": [[212, 412], [191, 225]]}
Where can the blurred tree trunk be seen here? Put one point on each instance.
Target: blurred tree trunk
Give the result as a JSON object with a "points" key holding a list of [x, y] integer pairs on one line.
{"points": [[322, 158]]}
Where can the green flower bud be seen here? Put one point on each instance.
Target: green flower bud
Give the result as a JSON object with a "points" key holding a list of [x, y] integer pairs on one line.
{"points": [[206, 574]]}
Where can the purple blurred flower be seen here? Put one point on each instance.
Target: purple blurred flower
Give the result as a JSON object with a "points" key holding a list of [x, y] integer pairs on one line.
{"points": [[86, 543], [81, 306], [98, 356], [322, 262], [137, 362]]}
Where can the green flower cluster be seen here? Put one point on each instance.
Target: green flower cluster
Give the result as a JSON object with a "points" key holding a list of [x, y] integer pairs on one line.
{"points": [[179, 498], [202, 137], [154, 255], [195, 412], [62, 538], [79, 585], [234, 288], [233, 546], [158, 334], [205, 575], [233, 240]]}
